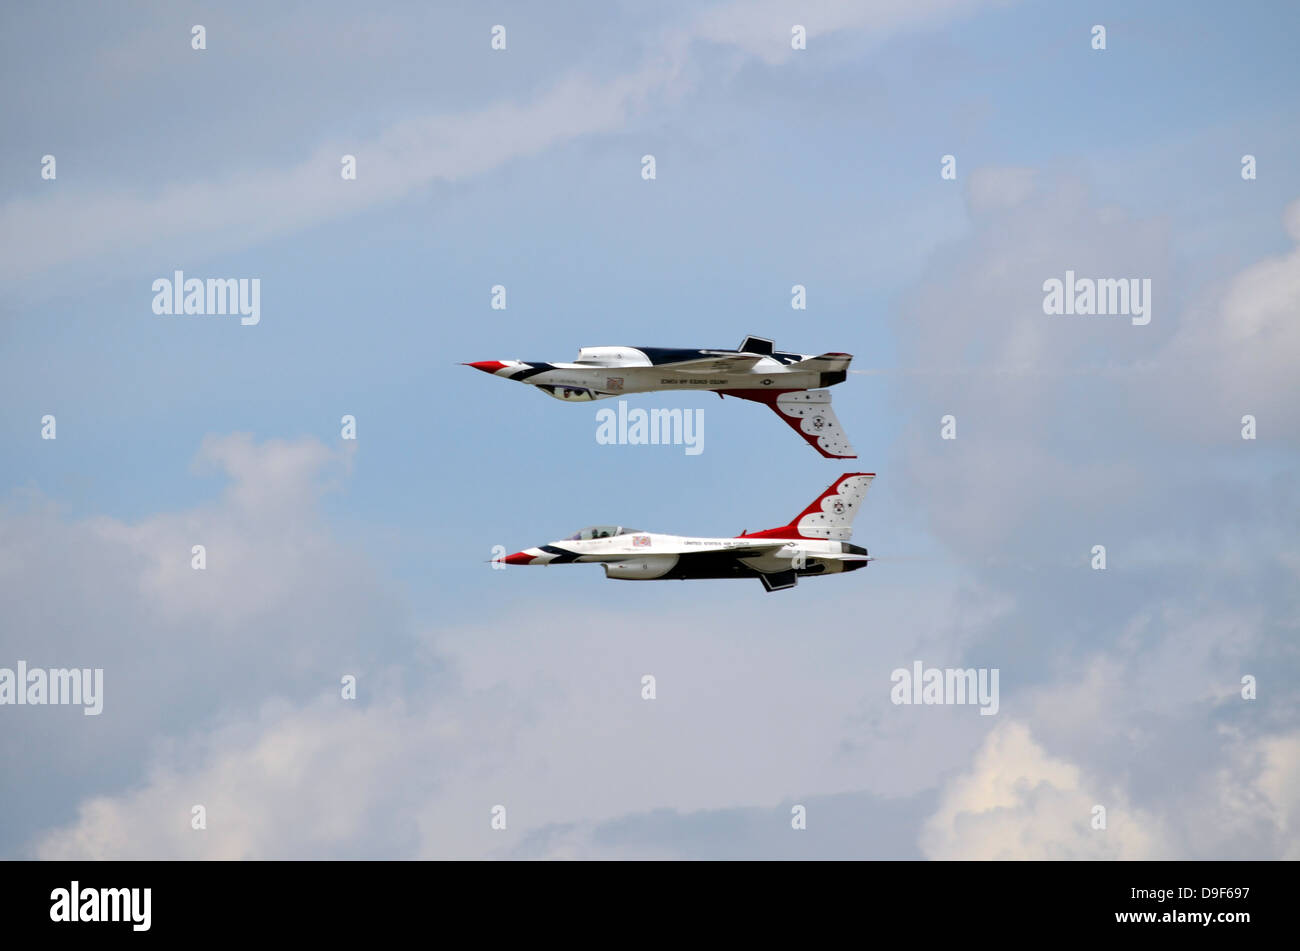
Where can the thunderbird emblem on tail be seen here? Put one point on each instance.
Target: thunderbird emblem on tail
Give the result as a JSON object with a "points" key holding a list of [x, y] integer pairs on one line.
{"points": [[790, 383], [814, 542]]}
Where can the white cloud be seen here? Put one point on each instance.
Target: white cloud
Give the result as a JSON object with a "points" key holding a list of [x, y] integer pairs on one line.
{"points": [[72, 224], [282, 608], [541, 710], [1017, 802], [312, 776], [762, 27], [36, 234], [1240, 349], [1279, 783], [1128, 678]]}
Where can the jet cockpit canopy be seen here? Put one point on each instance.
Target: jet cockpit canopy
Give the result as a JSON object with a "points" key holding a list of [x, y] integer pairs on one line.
{"points": [[600, 531]]}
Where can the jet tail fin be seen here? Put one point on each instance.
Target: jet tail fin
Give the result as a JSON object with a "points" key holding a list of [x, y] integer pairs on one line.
{"points": [[809, 413], [830, 515]]}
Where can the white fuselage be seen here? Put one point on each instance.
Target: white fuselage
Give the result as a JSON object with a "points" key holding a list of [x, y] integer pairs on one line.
{"points": [[647, 555], [602, 372], [604, 382]]}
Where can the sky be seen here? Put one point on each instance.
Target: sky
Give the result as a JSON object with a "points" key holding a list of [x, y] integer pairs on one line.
{"points": [[327, 558]]}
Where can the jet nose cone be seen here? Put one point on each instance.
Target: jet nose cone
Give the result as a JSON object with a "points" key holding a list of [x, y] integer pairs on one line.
{"points": [[487, 366], [519, 558]]}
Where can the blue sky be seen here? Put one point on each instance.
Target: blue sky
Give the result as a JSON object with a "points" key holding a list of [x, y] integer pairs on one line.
{"points": [[774, 167]]}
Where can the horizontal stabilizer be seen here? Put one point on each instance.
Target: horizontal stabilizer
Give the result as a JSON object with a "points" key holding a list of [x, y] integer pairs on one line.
{"points": [[827, 362]]}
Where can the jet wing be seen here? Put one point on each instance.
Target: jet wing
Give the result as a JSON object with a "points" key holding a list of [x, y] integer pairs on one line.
{"points": [[722, 363], [809, 413], [827, 556], [747, 550]]}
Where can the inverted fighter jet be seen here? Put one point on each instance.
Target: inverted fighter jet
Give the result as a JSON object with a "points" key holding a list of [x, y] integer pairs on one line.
{"points": [[815, 542], [787, 382]]}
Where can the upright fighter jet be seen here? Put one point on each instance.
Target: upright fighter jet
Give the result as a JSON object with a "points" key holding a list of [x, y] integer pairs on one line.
{"points": [[815, 542], [787, 382]]}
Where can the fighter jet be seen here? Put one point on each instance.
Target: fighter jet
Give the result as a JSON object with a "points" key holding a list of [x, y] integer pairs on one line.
{"points": [[784, 381], [815, 542]]}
